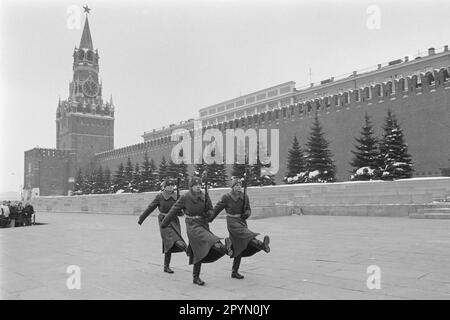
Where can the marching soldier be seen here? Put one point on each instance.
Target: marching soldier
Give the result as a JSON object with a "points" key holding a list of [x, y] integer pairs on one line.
{"points": [[244, 242], [172, 240], [204, 246]]}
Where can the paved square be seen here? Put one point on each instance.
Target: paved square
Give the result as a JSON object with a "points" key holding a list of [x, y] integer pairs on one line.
{"points": [[312, 257]]}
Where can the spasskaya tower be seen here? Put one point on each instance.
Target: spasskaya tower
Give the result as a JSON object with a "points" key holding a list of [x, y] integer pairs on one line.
{"points": [[85, 122]]}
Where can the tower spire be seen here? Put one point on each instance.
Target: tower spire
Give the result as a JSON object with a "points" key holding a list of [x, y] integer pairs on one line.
{"points": [[86, 39]]}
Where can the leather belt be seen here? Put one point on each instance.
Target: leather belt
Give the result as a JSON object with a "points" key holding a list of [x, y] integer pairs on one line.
{"points": [[194, 217], [233, 215]]}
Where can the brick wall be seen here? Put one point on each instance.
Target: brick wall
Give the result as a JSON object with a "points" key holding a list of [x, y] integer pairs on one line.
{"points": [[423, 114]]}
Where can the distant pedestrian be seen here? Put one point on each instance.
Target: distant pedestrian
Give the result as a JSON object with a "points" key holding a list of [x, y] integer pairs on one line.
{"points": [[28, 213], [13, 214], [20, 215], [4, 215]]}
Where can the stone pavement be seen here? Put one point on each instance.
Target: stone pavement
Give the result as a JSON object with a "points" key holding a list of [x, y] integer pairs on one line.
{"points": [[313, 257]]}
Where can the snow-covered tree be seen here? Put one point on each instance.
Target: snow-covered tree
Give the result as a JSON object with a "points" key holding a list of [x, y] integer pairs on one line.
{"points": [[199, 168], [78, 185], [162, 171], [99, 181], [89, 182], [238, 169], [295, 164], [367, 155], [258, 173], [184, 176], [217, 175], [107, 180], [119, 182], [396, 159], [128, 176], [319, 163], [136, 181], [172, 169], [148, 175]]}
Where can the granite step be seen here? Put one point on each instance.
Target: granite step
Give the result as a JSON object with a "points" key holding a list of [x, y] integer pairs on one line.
{"points": [[436, 215]]}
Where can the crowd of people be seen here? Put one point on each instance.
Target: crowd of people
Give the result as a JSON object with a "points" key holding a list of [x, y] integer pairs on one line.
{"points": [[14, 214]]}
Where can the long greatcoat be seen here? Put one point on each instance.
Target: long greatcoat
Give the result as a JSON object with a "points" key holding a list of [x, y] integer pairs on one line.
{"points": [[201, 239], [164, 201], [240, 235]]}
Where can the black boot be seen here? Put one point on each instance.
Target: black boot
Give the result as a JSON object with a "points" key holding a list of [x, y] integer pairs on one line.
{"points": [[224, 249], [167, 257], [236, 264], [261, 245], [196, 274], [266, 242]]}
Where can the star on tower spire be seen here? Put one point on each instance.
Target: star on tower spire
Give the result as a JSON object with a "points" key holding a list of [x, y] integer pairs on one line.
{"points": [[86, 39]]}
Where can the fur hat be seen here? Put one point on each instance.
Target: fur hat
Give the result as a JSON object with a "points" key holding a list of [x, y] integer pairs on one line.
{"points": [[235, 181], [168, 182], [195, 180]]}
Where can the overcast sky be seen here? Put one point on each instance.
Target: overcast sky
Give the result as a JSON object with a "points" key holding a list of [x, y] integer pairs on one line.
{"points": [[164, 60]]}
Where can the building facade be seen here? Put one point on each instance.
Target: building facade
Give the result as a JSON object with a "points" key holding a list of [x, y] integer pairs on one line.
{"points": [[416, 90], [84, 127]]}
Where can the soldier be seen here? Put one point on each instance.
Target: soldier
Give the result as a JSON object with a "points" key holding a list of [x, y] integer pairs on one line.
{"points": [[204, 246], [244, 242], [172, 240]]}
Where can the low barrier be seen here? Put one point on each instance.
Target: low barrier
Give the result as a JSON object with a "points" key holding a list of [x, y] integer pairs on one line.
{"points": [[363, 198]]}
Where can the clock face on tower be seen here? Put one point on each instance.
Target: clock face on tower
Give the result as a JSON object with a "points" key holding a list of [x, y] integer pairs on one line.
{"points": [[90, 88]]}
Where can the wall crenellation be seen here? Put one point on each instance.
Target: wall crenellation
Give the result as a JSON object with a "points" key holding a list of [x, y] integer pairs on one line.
{"points": [[289, 119]]}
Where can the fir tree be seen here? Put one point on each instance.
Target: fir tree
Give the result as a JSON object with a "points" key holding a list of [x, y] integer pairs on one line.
{"points": [[295, 164], [319, 164], [107, 180], [154, 182], [99, 183], [136, 182], [119, 179], [396, 159], [184, 177], [199, 169], [172, 170], [162, 173], [78, 185], [148, 172], [367, 154], [128, 176], [259, 174], [89, 182], [217, 175], [238, 170], [182, 170]]}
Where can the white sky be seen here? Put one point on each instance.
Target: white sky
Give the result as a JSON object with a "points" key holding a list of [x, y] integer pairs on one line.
{"points": [[164, 60]]}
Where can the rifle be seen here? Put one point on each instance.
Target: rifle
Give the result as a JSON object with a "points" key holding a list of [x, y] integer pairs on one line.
{"points": [[178, 184], [205, 175], [178, 187], [245, 185]]}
